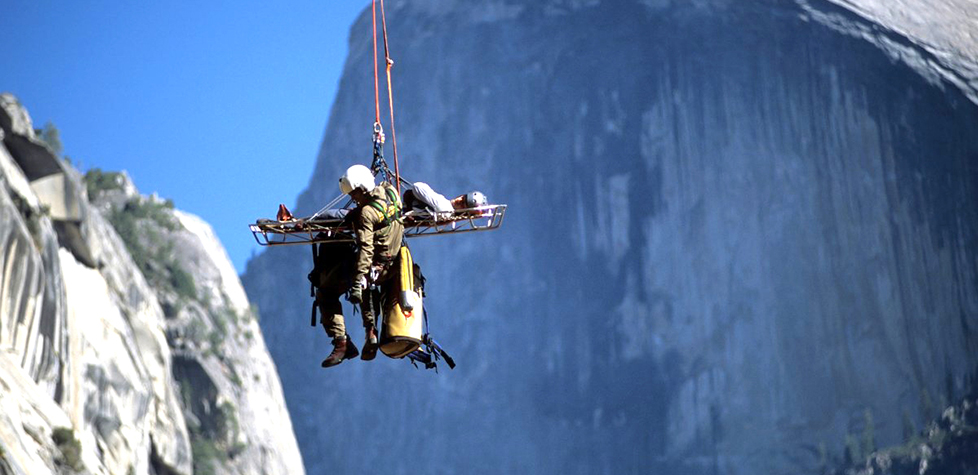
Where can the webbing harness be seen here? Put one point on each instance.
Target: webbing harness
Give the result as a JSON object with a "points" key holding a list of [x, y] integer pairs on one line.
{"points": [[390, 209]]}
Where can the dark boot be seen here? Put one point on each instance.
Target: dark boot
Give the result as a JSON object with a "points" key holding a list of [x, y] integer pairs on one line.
{"points": [[343, 349], [351, 349], [370, 345]]}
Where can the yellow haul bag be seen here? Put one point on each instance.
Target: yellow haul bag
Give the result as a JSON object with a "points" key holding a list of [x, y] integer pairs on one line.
{"points": [[403, 320]]}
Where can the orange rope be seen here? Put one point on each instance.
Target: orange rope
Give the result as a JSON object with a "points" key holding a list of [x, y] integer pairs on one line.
{"points": [[390, 92]]}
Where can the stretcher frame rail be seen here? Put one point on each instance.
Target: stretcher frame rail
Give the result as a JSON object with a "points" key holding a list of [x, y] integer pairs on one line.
{"points": [[269, 232]]}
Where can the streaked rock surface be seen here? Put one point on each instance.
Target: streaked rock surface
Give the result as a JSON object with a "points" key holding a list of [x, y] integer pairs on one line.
{"points": [[734, 228], [91, 340]]}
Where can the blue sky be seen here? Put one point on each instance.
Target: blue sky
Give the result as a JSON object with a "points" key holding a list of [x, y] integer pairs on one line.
{"points": [[220, 106]]}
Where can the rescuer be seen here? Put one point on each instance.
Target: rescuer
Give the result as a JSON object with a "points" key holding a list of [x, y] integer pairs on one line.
{"points": [[379, 233]]}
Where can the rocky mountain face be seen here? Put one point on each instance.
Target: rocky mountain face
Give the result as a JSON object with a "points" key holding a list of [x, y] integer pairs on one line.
{"points": [[127, 344], [946, 446], [735, 230]]}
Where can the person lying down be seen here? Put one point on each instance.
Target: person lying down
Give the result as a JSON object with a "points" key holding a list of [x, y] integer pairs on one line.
{"points": [[422, 198]]}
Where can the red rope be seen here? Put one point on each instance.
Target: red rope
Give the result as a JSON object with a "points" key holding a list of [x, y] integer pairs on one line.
{"points": [[390, 94], [376, 76]]}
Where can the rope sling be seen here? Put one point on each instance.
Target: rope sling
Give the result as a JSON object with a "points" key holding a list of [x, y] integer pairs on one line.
{"points": [[287, 230], [379, 165]]}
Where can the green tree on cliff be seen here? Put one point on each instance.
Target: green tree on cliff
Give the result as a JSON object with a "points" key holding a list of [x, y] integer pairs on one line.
{"points": [[51, 137]]}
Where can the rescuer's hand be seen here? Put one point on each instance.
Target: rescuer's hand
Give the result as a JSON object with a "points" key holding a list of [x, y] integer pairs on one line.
{"points": [[356, 294]]}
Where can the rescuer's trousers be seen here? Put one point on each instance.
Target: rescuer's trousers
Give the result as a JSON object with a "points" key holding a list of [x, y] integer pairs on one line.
{"points": [[331, 313], [332, 277], [335, 278], [331, 310]]}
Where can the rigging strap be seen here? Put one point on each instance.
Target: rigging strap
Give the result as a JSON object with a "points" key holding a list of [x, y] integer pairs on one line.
{"points": [[378, 129]]}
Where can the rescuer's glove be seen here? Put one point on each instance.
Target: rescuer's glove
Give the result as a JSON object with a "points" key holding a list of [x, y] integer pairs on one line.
{"points": [[356, 294]]}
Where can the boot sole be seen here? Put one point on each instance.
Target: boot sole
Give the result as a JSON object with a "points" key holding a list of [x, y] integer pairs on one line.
{"points": [[369, 352], [351, 352], [331, 363]]}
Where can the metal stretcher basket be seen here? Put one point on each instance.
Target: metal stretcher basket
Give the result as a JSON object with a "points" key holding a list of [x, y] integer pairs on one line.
{"points": [[269, 232]]}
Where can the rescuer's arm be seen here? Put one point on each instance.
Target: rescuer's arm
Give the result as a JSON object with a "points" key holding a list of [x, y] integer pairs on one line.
{"points": [[364, 227]]}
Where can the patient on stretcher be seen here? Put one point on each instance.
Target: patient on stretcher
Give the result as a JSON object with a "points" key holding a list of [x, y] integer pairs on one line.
{"points": [[423, 199]]}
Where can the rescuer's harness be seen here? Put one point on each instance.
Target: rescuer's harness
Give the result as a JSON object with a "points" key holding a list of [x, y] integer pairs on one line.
{"points": [[389, 207]]}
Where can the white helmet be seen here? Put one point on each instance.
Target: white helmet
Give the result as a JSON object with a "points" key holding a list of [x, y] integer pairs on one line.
{"points": [[475, 199], [357, 176]]}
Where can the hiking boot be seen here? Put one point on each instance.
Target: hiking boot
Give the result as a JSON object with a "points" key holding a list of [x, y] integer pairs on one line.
{"points": [[351, 349], [370, 344], [343, 349]]}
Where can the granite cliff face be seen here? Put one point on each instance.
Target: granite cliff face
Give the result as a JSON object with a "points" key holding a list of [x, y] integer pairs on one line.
{"points": [[735, 229], [121, 362]]}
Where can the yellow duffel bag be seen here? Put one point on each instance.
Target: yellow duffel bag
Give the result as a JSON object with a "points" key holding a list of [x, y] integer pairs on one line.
{"points": [[403, 321]]}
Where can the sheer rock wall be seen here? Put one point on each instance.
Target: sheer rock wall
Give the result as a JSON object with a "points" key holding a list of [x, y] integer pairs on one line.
{"points": [[87, 346], [734, 228]]}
